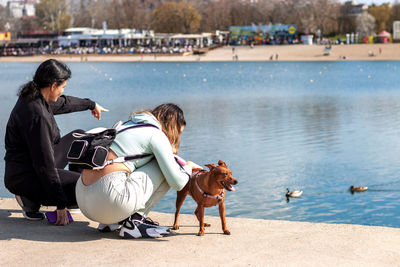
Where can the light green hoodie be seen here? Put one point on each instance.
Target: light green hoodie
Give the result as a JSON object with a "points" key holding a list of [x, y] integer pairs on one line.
{"points": [[149, 140]]}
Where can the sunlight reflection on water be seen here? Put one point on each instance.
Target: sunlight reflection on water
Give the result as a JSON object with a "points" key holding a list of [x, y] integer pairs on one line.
{"points": [[273, 128]]}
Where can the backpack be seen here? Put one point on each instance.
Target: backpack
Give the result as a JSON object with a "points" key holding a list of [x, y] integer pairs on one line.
{"points": [[90, 149]]}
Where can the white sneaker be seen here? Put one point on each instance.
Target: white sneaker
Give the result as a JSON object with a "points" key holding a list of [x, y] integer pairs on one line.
{"points": [[106, 228], [137, 229], [147, 220]]}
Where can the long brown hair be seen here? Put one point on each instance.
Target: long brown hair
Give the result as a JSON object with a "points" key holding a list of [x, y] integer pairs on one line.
{"points": [[172, 120]]}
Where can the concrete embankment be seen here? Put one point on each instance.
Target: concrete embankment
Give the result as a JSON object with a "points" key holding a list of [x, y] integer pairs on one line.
{"points": [[252, 242]]}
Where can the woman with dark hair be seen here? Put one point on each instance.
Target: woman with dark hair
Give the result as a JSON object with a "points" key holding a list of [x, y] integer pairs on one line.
{"points": [[35, 154], [126, 192]]}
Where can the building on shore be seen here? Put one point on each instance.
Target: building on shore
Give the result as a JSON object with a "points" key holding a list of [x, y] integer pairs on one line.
{"points": [[5, 36], [106, 41], [352, 9], [263, 34], [87, 37], [396, 31], [21, 8]]}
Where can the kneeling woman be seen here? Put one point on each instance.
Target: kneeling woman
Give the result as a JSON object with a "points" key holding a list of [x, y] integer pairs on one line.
{"points": [[128, 191]]}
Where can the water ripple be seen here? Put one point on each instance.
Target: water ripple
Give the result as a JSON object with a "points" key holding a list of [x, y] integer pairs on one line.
{"points": [[274, 128]]}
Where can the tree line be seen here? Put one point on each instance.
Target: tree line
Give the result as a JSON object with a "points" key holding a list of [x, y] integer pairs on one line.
{"points": [[194, 16]]}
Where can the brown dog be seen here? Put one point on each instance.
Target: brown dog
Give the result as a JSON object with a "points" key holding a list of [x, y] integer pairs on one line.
{"points": [[207, 189]]}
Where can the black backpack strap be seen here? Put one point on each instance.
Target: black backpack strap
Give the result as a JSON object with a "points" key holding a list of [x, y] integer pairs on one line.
{"points": [[137, 126], [131, 157]]}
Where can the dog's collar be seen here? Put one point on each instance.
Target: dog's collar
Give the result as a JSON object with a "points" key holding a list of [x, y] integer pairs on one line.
{"points": [[206, 195]]}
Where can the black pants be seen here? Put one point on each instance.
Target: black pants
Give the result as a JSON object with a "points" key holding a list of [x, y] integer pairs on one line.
{"points": [[31, 188]]}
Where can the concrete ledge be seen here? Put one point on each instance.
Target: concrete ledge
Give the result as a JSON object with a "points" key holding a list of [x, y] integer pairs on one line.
{"points": [[252, 242]]}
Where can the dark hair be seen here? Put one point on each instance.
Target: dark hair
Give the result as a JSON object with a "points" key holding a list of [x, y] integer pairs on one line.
{"points": [[49, 72], [171, 119]]}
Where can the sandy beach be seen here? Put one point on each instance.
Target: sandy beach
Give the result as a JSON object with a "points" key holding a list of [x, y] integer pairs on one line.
{"points": [[252, 243], [245, 53]]}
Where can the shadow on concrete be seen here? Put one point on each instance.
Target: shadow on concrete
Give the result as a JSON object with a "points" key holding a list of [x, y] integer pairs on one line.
{"points": [[14, 226], [17, 227]]}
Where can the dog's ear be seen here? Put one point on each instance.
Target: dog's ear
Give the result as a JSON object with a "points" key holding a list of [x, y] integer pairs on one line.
{"points": [[210, 166], [221, 163]]}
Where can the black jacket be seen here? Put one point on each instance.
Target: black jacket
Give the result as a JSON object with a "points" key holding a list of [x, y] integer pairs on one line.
{"points": [[30, 137]]}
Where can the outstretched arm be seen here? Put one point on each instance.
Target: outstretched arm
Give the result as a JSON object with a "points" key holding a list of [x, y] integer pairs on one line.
{"points": [[68, 104]]}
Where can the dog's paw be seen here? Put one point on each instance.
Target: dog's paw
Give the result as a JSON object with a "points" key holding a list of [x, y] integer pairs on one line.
{"points": [[200, 233], [175, 227], [226, 232], [207, 225]]}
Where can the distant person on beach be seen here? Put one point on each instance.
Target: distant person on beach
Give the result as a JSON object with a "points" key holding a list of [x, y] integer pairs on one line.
{"points": [[35, 153], [120, 195]]}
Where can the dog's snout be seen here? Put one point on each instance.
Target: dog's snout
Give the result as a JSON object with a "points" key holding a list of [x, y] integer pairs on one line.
{"points": [[235, 182]]}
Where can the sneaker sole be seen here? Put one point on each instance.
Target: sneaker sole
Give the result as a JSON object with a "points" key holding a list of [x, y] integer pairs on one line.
{"points": [[128, 236], [124, 234], [108, 228], [136, 232], [32, 219]]}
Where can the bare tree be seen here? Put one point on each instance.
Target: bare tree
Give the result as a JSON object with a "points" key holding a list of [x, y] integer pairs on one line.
{"points": [[308, 15], [175, 18], [346, 21], [83, 18], [134, 14], [26, 24], [215, 16], [318, 15], [52, 14], [365, 24], [396, 12], [382, 15], [3, 18]]}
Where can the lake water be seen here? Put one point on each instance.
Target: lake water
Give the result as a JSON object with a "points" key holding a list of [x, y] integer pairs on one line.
{"points": [[315, 126]]}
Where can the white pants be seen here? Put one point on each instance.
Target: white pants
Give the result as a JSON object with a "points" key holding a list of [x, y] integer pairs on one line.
{"points": [[117, 195]]}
